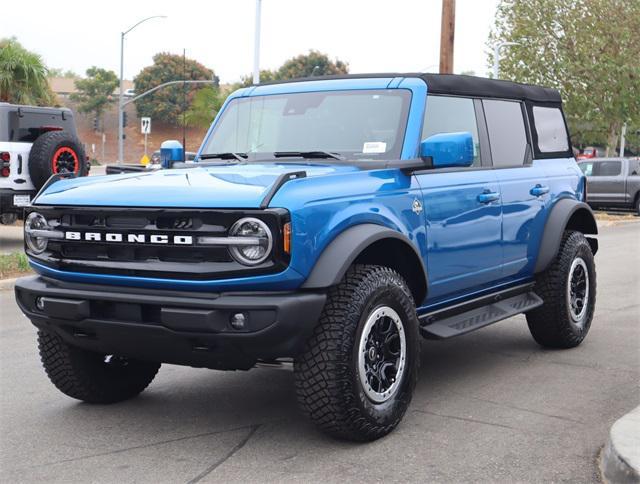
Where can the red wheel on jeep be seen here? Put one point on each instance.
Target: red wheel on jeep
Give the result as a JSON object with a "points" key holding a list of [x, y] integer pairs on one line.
{"points": [[65, 160]]}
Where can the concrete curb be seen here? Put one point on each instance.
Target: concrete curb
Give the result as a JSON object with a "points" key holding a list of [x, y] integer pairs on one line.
{"points": [[7, 284], [621, 457]]}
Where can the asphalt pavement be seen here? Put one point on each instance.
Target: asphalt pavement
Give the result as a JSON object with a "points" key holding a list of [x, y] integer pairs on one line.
{"points": [[491, 406]]}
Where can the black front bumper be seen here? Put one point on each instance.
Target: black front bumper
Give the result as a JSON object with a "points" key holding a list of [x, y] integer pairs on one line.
{"points": [[169, 326]]}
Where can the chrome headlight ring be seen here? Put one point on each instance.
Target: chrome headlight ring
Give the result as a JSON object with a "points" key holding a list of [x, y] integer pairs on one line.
{"points": [[253, 254], [35, 223]]}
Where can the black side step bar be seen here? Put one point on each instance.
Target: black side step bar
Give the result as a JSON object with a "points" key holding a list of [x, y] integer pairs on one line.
{"points": [[477, 313]]}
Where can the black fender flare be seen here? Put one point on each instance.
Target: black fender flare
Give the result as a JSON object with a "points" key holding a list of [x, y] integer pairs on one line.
{"points": [[342, 251], [566, 213]]}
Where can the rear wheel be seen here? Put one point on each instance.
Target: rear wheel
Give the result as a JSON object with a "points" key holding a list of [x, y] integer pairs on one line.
{"points": [[92, 377], [568, 288], [358, 370], [56, 152]]}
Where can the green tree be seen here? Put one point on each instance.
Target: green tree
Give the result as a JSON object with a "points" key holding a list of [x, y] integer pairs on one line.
{"points": [[305, 65], [205, 105], [312, 64], [588, 49], [59, 72], [23, 75], [166, 104], [95, 92]]}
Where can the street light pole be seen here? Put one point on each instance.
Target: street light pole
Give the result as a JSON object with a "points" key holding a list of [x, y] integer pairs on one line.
{"points": [[496, 56], [121, 96], [256, 47], [120, 100]]}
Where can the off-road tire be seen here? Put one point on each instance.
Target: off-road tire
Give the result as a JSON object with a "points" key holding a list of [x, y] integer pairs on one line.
{"points": [[42, 156], [551, 324], [327, 382], [86, 376], [8, 218]]}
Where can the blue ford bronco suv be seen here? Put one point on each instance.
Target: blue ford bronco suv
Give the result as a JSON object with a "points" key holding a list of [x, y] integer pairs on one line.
{"points": [[327, 224]]}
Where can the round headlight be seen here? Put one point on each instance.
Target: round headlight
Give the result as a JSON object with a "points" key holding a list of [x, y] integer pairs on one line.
{"points": [[35, 221], [258, 244]]}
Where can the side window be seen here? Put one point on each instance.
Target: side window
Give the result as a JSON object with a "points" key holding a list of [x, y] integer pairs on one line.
{"points": [[587, 168], [634, 167], [607, 168], [507, 135], [446, 114], [550, 128]]}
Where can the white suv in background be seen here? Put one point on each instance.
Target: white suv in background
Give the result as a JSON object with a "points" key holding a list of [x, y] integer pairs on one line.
{"points": [[35, 143]]}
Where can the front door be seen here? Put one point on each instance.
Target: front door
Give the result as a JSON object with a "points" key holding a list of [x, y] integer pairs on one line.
{"points": [[462, 209]]}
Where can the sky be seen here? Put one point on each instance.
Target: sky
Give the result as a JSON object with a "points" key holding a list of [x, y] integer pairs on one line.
{"points": [[371, 35]]}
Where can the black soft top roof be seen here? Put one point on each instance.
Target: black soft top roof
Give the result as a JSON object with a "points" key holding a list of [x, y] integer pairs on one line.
{"points": [[462, 85], [481, 86]]}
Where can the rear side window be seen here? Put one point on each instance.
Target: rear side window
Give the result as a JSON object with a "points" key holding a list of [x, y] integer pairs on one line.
{"points": [[446, 114], [607, 168], [28, 126], [587, 168], [507, 135], [634, 167], [550, 129]]}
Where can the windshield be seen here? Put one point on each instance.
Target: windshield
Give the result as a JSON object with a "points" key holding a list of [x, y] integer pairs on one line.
{"points": [[366, 124]]}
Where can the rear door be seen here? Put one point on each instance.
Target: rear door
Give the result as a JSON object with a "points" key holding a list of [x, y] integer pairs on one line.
{"points": [[461, 207], [523, 184]]}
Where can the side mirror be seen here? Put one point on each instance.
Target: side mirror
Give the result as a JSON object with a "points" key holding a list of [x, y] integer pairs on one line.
{"points": [[170, 152], [448, 149]]}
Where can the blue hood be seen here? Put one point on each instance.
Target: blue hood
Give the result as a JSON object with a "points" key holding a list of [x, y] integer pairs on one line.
{"points": [[228, 186]]}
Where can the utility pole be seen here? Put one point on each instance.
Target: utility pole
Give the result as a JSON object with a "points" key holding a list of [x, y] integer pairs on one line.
{"points": [[622, 139], [256, 46], [447, 33]]}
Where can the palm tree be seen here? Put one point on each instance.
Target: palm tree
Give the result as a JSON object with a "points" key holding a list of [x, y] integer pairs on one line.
{"points": [[23, 75]]}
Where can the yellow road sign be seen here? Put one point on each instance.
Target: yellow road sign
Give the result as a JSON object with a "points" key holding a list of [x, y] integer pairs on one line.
{"points": [[144, 160]]}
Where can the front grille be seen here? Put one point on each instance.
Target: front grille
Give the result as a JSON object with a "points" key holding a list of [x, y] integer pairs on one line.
{"points": [[170, 260]]}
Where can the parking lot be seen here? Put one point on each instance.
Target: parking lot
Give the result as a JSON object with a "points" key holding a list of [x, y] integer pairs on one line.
{"points": [[489, 406]]}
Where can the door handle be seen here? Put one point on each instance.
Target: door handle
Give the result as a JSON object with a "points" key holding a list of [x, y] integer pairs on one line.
{"points": [[488, 197], [539, 190]]}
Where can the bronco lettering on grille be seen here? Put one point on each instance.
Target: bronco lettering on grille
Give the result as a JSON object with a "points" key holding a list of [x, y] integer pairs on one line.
{"points": [[130, 238]]}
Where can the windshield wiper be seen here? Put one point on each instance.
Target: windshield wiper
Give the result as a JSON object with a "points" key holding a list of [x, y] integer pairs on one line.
{"points": [[224, 156], [308, 154]]}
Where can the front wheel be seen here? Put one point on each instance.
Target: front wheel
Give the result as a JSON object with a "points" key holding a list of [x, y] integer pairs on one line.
{"points": [[568, 288], [356, 375]]}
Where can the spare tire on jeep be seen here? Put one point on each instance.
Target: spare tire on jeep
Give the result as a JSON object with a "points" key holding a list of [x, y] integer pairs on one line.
{"points": [[56, 152]]}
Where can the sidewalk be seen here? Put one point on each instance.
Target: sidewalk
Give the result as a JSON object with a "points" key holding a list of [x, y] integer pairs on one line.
{"points": [[621, 456]]}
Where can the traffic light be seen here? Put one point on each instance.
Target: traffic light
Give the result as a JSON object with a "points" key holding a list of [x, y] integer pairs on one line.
{"points": [[124, 119], [96, 124]]}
